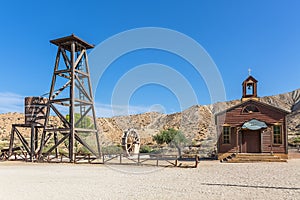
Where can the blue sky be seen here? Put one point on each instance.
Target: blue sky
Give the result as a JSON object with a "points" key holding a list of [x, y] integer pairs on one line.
{"points": [[237, 34]]}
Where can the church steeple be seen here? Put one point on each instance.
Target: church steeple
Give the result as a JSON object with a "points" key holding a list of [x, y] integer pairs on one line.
{"points": [[249, 88]]}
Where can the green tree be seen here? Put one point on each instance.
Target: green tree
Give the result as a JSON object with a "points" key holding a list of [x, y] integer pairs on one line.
{"points": [[85, 122], [172, 137]]}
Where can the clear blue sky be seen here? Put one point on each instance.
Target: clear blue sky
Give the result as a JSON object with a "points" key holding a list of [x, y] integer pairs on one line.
{"points": [[237, 34]]}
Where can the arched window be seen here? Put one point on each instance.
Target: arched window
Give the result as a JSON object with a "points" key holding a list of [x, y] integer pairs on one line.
{"points": [[250, 109]]}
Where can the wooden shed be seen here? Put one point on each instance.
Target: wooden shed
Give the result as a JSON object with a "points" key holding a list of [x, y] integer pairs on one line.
{"points": [[252, 126]]}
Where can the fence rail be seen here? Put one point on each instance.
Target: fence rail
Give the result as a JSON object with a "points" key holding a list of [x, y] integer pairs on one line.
{"points": [[108, 159]]}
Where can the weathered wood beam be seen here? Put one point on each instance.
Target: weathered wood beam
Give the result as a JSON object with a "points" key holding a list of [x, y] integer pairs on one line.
{"points": [[57, 144], [92, 100], [66, 59], [60, 90], [79, 59], [64, 120], [82, 117], [86, 145], [83, 101], [62, 71], [23, 141], [72, 106]]}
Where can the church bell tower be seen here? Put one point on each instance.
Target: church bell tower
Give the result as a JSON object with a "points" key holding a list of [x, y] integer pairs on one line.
{"points": [[249, 88]]}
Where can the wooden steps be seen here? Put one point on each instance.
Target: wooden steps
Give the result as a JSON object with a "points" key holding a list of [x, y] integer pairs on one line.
{"points": [[252, 157]]}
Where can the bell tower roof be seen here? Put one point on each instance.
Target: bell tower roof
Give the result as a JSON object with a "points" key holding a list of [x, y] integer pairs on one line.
{"points": [[250, 78]]}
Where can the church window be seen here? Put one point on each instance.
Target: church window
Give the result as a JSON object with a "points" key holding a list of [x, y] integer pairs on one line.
{"points": [[250, 109], [226, 134], [277, 136]]}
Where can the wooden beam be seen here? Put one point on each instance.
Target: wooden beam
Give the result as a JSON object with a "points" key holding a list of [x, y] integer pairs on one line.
{"points": [[78, 59], [23, 141], [32, 144], [64, 120], [82, 117], [60, 90], [92, 100], [62, 71], [83, 101], [86, 145], [63, 75], [72, 106], [85, 130], [82, 88], [81, 73], [66, 59], [57, 144], [11, 142]]}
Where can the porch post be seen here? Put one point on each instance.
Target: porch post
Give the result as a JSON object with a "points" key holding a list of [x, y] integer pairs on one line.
{"points": [[261, 140], [237, 140]]}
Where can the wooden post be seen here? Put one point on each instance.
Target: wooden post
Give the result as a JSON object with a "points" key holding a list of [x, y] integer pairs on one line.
{"points": [[197, 161], [237, 140], [55, 143], [36, 138], [92, 98], [120, 158], [72, 105], [138, 158], [32, 148], [25, 156], [11, 142]]}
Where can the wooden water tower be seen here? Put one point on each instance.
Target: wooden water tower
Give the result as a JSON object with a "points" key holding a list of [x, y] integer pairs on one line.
{"points": [[71, 100]]}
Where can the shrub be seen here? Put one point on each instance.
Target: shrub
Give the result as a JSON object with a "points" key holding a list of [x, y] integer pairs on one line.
{"points": [[112, 149], [296, 140], [146, 149], [171, 137]]}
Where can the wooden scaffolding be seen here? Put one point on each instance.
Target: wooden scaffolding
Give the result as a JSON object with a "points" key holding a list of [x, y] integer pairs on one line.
{"points": [[71, 100]]}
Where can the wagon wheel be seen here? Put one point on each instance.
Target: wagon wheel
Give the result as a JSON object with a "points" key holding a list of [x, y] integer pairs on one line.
{"points": [[130, 141]]}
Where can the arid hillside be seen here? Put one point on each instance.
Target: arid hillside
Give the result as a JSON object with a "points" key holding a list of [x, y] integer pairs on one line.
{"points": [[197, 122]]}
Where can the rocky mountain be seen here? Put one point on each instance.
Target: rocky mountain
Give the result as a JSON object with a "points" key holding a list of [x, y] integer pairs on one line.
{"points": [[197, 122]]}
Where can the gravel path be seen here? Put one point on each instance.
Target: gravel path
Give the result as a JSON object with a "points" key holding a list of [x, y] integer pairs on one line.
{"points": [[211, 180]]}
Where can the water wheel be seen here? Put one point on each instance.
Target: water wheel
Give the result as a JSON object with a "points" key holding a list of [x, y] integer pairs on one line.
{"points": [[131, 142]]}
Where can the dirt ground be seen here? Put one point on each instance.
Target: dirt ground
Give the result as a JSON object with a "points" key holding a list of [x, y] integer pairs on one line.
{"points": [[211, 180]]}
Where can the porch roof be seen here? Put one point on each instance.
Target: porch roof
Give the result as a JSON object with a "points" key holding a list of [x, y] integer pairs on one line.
{"points": [[254, 124]]}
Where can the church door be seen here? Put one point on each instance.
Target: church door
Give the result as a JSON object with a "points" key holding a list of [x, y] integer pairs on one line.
{"points": [[251, 141]]}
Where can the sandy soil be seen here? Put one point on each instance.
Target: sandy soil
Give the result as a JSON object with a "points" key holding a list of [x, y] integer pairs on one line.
{"points": [[211, 180]]}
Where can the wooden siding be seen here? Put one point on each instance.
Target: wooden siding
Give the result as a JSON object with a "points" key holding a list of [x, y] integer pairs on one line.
{"points": [[236, 118], [232, 147]]}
